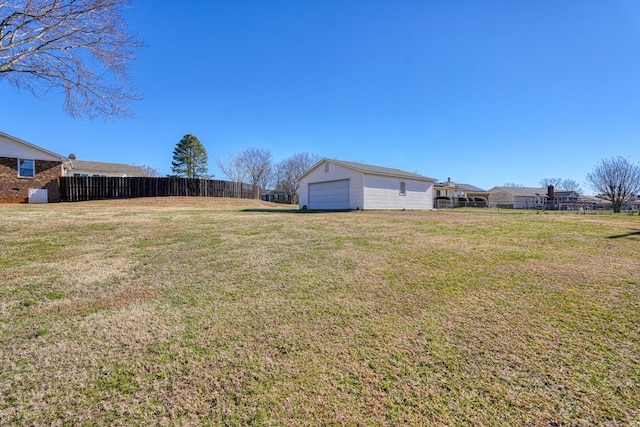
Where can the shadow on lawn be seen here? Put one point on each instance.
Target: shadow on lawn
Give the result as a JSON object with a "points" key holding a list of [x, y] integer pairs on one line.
{"points": [[632, 233], [293, 211]]}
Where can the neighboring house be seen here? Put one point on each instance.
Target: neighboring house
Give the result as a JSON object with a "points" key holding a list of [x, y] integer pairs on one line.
{"points": [[76, 167], [599, 202], [276, 196], [28, 169], [518, 197], [450, 193], [533, 198], [562, 198], [595, 202], [335, 184]]}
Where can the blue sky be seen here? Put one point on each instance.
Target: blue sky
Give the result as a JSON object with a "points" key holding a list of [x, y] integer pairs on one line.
{"points": [[484, 92]]}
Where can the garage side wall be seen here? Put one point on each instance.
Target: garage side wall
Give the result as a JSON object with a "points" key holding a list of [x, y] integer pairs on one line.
{"points": [[382, 192], [335, 173]]}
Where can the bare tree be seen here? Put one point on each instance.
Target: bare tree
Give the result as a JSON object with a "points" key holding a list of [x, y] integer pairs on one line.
{"points": [[545, 182], [569, 184], [259, 167], [150, 171], [566, 184], [289, 170], [79, 46], [234, 169], [615, 179], [512, 184]]}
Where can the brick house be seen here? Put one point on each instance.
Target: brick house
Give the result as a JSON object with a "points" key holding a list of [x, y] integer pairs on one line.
{"points": [[25, 167]]}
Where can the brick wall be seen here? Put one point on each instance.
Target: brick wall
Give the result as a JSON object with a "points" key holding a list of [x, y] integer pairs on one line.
{"points": [[16, 190]]}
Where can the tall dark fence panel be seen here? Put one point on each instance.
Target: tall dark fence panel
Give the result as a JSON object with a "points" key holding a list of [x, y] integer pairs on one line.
{"points": [[82, 188]]}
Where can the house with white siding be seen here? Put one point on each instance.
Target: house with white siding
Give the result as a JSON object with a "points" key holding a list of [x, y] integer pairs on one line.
{"points": [[336, 184]]}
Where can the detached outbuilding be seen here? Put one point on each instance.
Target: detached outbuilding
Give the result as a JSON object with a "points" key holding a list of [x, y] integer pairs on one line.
{"points": [[336, 184]]}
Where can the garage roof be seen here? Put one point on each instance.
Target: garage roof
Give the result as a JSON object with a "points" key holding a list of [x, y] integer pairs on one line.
{"points": [[373, 170]]}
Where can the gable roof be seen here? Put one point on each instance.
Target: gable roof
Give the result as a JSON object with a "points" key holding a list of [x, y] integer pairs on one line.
{"points": [[32, 146], [371, 169], [105, 168]]}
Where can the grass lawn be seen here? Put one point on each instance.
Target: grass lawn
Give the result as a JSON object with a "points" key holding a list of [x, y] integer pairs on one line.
{"points": [[221, 312]]}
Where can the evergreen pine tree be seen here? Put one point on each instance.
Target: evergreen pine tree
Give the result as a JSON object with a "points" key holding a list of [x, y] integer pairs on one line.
{"points": [[190, 158]]}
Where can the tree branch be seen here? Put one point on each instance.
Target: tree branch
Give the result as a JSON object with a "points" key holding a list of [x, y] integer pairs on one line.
{"points": [[80, 46]]}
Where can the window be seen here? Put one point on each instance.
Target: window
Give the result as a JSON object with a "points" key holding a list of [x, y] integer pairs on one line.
{"points": [[403, 189], [326, 167], [26, 168]]}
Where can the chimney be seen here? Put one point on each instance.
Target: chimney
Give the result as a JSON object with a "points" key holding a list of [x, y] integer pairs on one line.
{"points": [[72, 156], [550, 198]]}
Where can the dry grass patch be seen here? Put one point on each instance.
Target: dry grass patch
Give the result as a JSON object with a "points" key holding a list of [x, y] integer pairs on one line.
{"points": [[228, 312]]}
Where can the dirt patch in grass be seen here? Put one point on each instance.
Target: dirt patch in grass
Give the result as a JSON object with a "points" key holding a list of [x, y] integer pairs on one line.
{"points": [[113, 301]]}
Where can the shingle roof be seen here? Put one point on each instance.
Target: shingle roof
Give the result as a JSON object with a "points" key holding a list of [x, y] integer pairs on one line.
{"points": [[376, 170], [564, 193], [469, 187], [465, 187], [106, 168], [522, 191]]}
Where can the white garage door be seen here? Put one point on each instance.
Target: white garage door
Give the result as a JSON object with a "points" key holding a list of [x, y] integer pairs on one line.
{"points": [[329, 195]]}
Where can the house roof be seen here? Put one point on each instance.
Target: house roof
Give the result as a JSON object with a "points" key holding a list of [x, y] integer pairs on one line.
{"points": [[371, 169], [469, 187], [595, 199], [534, 191], [521, 191], [35, 147], [565, 193], [105, 168], [457, 186]]}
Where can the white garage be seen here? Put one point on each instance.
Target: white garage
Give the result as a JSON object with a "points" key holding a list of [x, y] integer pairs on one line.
{"points": [[329, 194], [336, 185]]}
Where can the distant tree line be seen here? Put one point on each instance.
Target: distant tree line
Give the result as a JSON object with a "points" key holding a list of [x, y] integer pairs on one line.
{"points": [[252, 165], [256, 166]]}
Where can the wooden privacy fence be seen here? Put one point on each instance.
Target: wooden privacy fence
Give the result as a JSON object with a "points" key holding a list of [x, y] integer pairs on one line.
{"points": [[82, 188]]}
